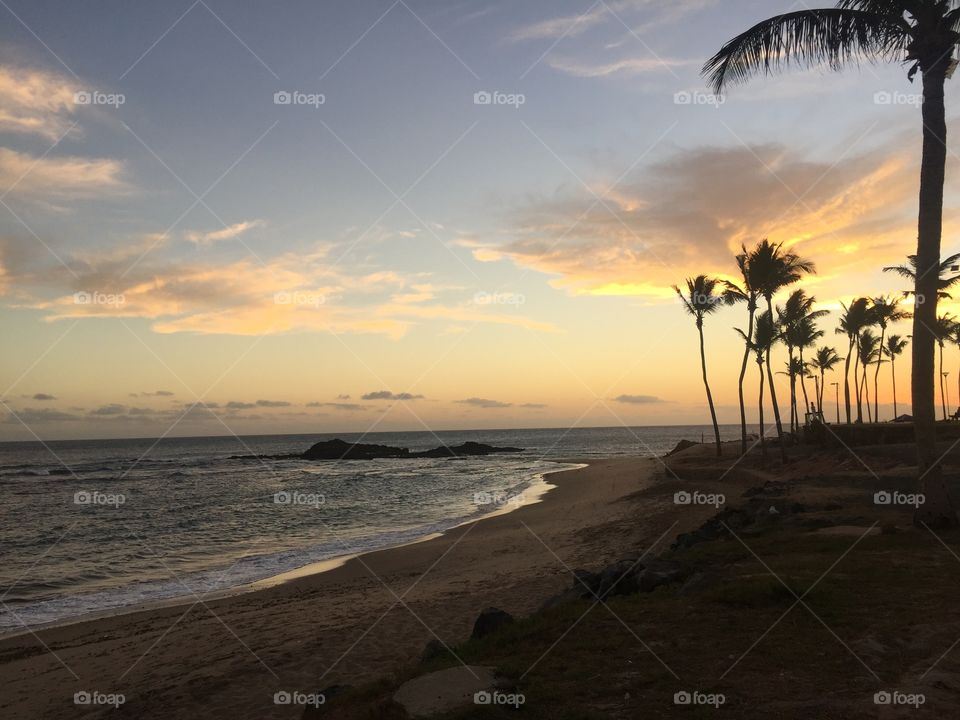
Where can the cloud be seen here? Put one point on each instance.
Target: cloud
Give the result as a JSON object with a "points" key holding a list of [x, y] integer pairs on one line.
{"points": [[272, 403], [484, 403], [43, 396], [157, 393], [227, 233], [66, 176], [348, 407], [534, 406], [387, 395], [629, 67], [35, 102], [638, 399], [31, 416], [343, 397], [237, 405], [112, 409]]}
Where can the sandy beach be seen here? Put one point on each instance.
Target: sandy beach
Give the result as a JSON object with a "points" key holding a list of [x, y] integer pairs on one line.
{"points": [[366, 619]]}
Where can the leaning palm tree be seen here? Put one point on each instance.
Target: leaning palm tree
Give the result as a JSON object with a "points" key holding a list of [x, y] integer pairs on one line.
{"points": [[924, 34], [886, 310], [869, 348], [774, 269], [704, 296], [943, 330], [824, 361], [894, 347], [745, 292], [947, 275], [765, 336], [852, 322]]}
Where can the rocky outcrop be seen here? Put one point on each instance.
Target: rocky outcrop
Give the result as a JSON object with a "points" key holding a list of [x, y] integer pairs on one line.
{"points": [[624, 577], [341, 450], [489, 621]]}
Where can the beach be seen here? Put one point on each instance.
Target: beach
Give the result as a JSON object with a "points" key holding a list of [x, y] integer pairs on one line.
{"points": [[366, 619]]}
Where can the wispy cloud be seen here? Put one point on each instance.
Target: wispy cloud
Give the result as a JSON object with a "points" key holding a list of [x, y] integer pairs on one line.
{"points": [[36, 102], [630, 67], [227, 233], [484, 403], [638, 399], [69, 176], [388, 395]]}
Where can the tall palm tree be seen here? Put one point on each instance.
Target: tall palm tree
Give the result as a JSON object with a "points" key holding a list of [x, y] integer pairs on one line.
{"points": [[947, 275], [886, 310], [943, 331], [924, 34], [852, 322], [825, 360], [869, 348], [774, 269], [746, 293], [894, 347], [798, 319], [765, 336], [704, 296]]}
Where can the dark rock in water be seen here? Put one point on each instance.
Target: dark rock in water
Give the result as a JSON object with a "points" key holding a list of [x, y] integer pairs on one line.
{"points": [[489, 621], [681, 446], [433, 649], [341, 450]]}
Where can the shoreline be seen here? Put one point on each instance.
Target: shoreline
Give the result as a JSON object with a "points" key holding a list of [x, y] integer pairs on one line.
{"points": [[305, 571], [363, 620]]}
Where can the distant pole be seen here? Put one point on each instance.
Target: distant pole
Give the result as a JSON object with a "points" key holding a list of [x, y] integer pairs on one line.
{"points": [[837, 388]]}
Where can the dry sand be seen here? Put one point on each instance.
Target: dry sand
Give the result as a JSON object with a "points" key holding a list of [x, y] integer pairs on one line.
{"points": [[366, 619]]}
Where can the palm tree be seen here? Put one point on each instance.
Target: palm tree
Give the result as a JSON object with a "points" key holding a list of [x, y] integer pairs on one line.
{"points": [[825, 360], [852, 322], [886, 310], [894, 347], [746, 293], [924, 34], [798, 319], [946, 278], [944, 330], [765, 336], [701, 299], [773, 269], [869, 348]]}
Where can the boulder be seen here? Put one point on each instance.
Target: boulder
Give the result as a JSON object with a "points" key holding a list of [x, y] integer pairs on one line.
{"points": [[433, 650], [660, 572], [489, 621], [681, 446]]}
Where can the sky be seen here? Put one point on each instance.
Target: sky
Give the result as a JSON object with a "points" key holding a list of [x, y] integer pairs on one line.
{"points": [[249, 217]]}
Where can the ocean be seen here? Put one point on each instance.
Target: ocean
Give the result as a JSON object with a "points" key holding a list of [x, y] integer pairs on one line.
{"points": [[105, 525]]}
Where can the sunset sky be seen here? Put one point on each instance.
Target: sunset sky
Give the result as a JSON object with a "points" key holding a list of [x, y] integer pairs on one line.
{"points": [[385, 252]]}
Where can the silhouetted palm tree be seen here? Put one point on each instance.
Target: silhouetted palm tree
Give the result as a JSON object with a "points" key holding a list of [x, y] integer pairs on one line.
{"points": [[747, 293], [765, 336], [773, 269], [894, 347], [798, 320], [886, 310], [924, 34], [824, 361], [947, 275], [869, 349], [944, 330], [852, 322], [704, 296]]}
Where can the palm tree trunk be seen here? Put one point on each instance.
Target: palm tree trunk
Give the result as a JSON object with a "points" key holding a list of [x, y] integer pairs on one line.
{"points": [[856, 381], [876, 378], [763, 444], [803, 387], [893, 377], [938, 510], [793, 389], [866, 392], [773, 394], [743, 374], [823, 380], [706, 384], [846, 379], [943, 398]]}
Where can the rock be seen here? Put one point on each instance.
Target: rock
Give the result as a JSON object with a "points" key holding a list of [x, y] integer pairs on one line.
{"points": [[660, 572], [619, 579], [434, 649], [698, 582], [586, 581], [681, 446], [444, 690], [489, 621], [467, 449], [566, 597], [342, 450]]}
